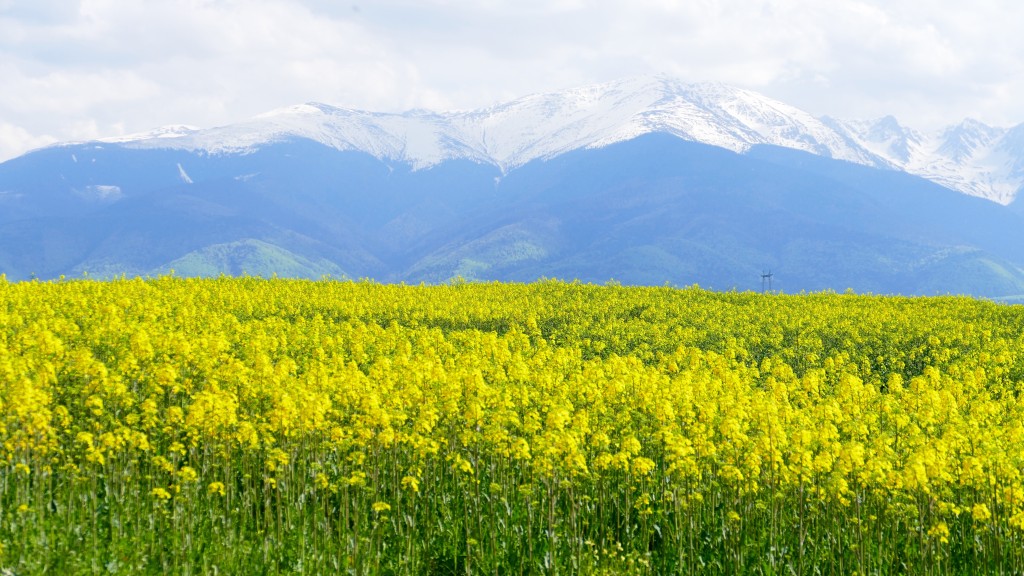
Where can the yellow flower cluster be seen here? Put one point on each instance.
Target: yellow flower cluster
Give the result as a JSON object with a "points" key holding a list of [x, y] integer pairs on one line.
{"points": [[643, 407]]}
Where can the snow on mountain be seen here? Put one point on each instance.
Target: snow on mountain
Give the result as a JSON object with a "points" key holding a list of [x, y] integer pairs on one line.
{"points": [[973, 158], [885, 138], [970, 157], [540, 126], [421, 138], [164, 132], [1012, 144]]}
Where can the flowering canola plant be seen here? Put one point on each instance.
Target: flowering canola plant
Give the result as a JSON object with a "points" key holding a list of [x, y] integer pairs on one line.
{"points": [[278, 426]]}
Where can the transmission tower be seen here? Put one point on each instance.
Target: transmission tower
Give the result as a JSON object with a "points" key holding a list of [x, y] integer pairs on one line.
{"points": [[766, 280]]}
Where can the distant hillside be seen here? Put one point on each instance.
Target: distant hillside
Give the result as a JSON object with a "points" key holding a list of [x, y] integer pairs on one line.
{"points": [[643, 182]]}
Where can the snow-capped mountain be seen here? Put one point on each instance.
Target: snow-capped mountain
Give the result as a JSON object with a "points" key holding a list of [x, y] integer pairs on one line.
{"points": [[971, 157], [645, 180], [540, 126]]}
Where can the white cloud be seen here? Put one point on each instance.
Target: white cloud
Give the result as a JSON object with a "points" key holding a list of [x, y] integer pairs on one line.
{"points": [[14, 140], [87, 68]]}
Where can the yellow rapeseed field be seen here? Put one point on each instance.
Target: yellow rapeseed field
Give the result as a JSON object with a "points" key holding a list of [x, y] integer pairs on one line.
{"points": [[251, 426]]}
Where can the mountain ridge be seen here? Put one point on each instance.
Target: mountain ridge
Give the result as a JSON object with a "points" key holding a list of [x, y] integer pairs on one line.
{"points": [[969, 157], [644, 181]]}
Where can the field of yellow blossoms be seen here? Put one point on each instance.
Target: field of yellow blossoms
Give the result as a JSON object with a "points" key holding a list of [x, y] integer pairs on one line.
{"points": [[251, 426]]}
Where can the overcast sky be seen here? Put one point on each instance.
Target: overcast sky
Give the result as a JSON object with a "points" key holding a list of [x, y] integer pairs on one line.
{"points": [[81, 69]]}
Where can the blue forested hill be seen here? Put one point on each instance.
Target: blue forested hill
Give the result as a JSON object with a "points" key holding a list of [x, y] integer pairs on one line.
{"points": [[652, 210]]}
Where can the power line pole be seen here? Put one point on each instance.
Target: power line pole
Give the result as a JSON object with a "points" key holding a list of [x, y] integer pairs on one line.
{"points": [[766, 277]]}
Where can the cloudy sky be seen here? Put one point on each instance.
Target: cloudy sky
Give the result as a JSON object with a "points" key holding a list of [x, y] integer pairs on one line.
{"points": [[80, 69]]}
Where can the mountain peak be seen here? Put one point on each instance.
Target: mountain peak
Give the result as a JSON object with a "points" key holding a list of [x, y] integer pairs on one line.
{"points": [[163, 132], [314, 108], [965, 157], [539, 126], [972, 131]]}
